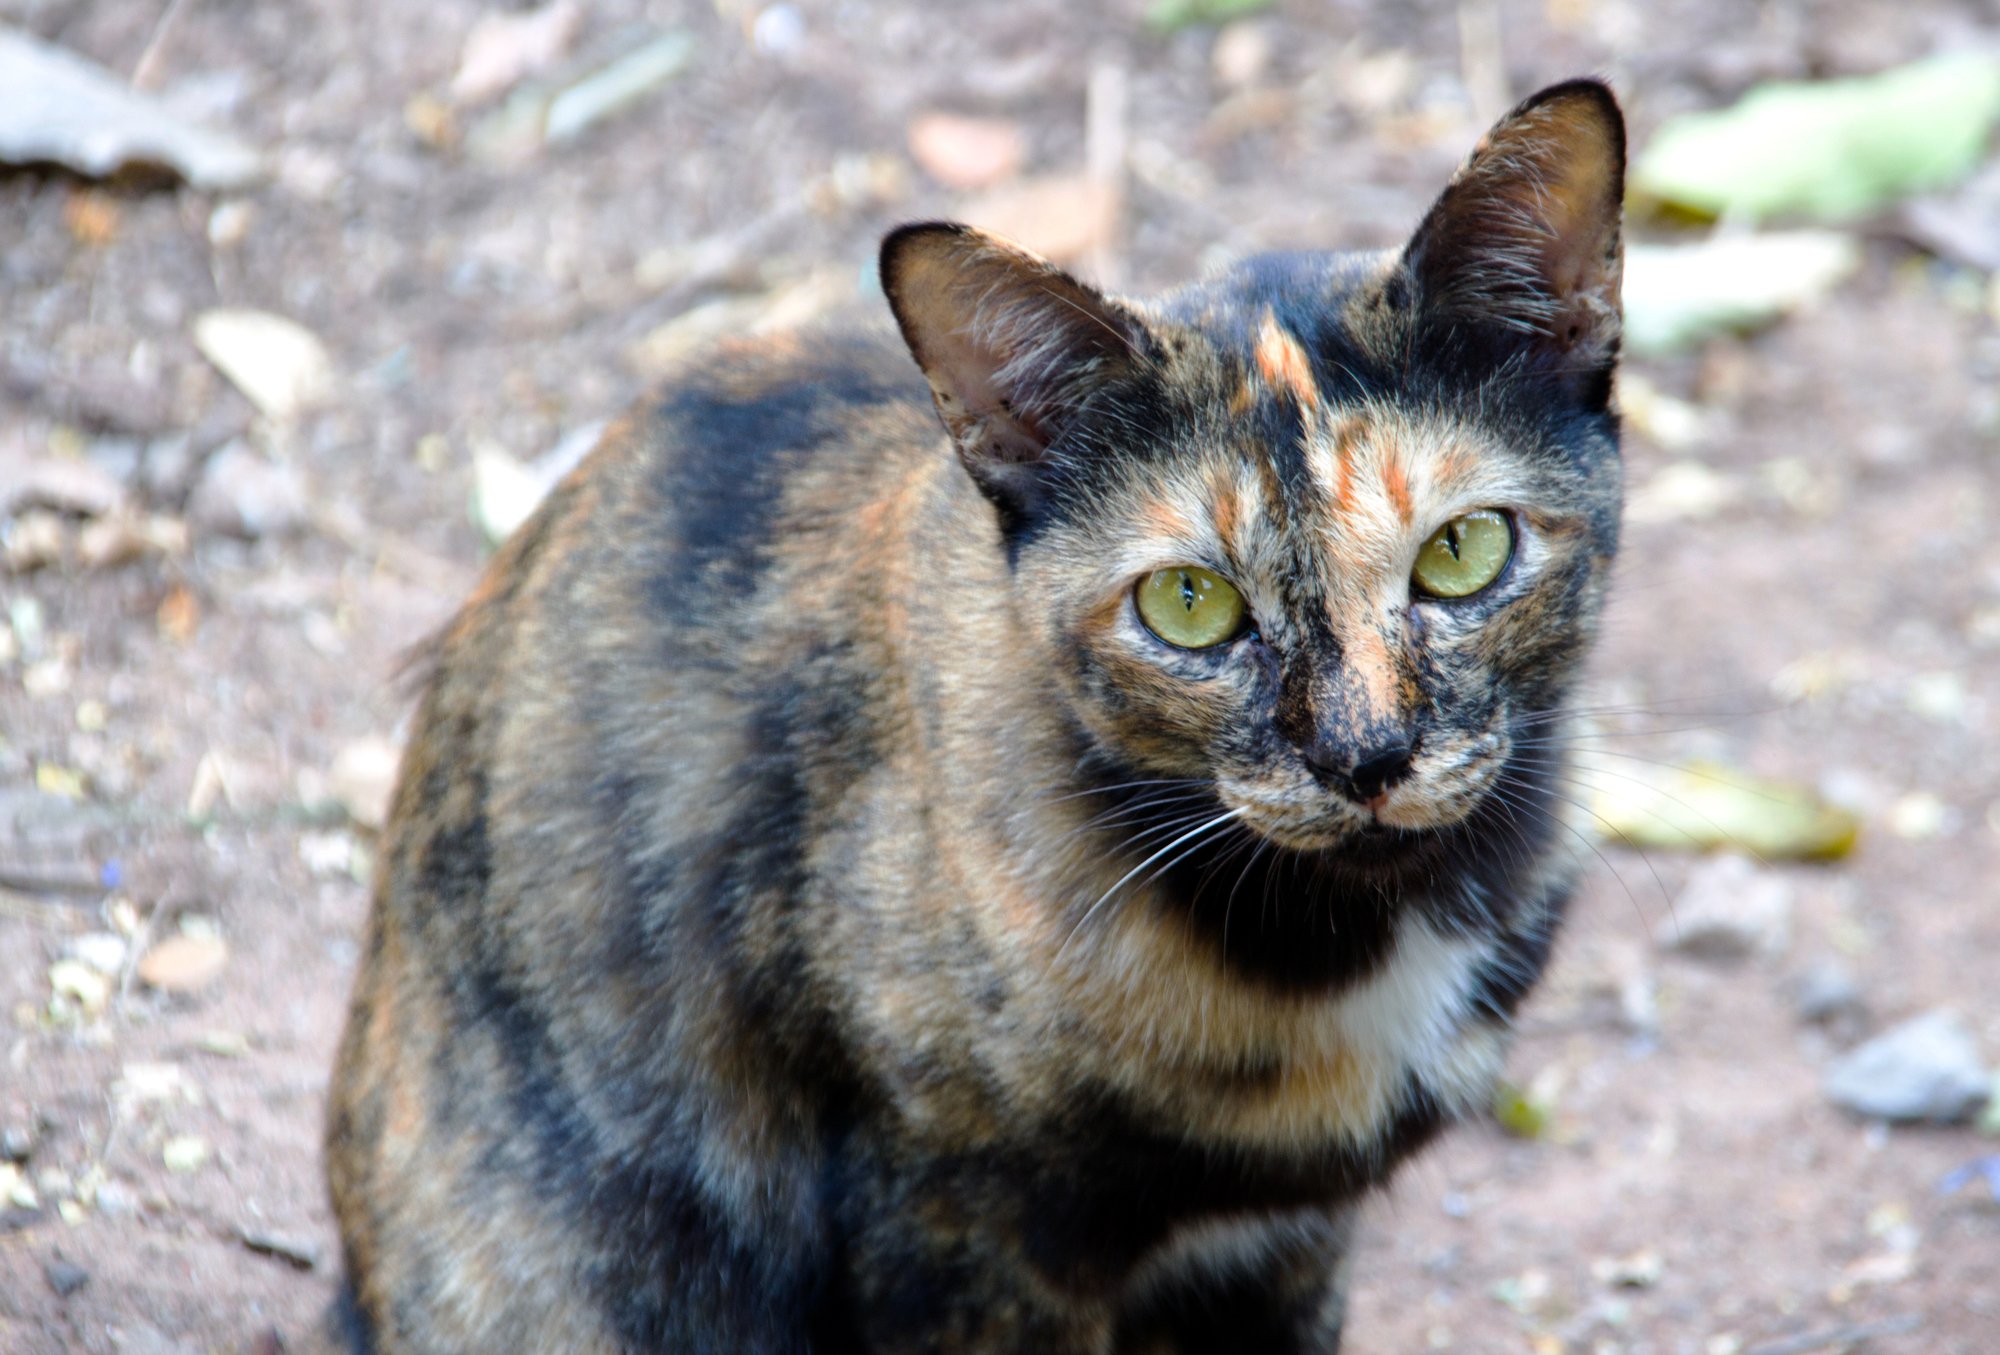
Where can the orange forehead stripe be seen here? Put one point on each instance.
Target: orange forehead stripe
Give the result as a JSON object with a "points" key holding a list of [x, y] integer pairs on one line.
{"points": [[1397, 485], [1283, 363]]}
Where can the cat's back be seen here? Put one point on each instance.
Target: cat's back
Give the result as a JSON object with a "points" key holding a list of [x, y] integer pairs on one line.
{"points": [[628, 735]]}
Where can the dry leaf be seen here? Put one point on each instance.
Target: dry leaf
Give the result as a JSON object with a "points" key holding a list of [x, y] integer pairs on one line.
{"points": [[57, 108], [1062, 216], [967, 153], [183, 964], [179, 614], [1700, 806], [280, 366]]}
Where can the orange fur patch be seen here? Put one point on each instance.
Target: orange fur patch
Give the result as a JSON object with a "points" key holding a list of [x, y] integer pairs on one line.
{"points": [[1396, 482], [1283, 363]]}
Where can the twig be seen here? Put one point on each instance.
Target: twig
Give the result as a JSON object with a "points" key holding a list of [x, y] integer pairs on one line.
{"points": [[142, 69], [50, 880], [1840, 1336]]}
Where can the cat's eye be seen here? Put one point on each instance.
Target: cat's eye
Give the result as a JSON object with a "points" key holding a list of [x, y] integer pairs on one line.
{"points": [[1464, 555], [1190, 607]]}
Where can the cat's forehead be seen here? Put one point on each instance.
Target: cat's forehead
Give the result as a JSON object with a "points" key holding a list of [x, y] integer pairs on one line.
{"points": [[1294, 436]]}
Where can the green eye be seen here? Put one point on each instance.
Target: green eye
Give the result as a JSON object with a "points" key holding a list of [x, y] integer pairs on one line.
{"points": [[1190, 607], [1464, 555]]}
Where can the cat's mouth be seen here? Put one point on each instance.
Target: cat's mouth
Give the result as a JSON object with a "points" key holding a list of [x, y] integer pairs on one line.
{"points": [[1386, 830]]}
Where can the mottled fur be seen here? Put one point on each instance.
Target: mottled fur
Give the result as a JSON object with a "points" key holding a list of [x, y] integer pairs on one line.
{"points": [[818, 916]]}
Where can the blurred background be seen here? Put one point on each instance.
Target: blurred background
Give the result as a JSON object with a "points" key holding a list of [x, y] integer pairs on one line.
{"points": [[302, 305]]}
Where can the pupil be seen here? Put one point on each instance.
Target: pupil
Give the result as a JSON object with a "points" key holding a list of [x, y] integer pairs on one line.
{"points": [[1451, 539], [1187, 592]]}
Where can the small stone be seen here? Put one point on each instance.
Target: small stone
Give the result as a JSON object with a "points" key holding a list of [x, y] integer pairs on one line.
{"points": [[1920, 816], [1730, 909], [1927, 1068], [280, 366], [183, 964], [1826, 992], [1938, 697], [65, 1277], [114, 1199], [110, 542], [1641, 1270], [33, 540], [363, 779], [1241, 55], [102, 951], [79, 983], [184, 1154], [502, 49], [327, 855], [242, 494], [301, 1253], [17, 1143]]}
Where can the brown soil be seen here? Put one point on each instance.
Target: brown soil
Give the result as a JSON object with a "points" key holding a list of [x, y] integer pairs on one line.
{"points": [[469, 303]]}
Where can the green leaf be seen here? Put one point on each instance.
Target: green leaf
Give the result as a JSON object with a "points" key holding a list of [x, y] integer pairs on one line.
{"points": [[1700, 806], [1834, 149], [1167, 16]]}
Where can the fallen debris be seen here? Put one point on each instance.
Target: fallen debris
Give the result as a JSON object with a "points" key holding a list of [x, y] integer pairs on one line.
{"points": [[58, 109], [1830, 149], [1926, 1069], [298, 1252], [280, 366]]}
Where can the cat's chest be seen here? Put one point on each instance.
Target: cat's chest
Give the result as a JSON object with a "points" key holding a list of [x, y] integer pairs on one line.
{"points": [[1229, 1061]]}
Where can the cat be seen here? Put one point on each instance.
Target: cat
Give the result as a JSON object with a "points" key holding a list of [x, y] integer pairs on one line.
{"points": [[860, 888]]}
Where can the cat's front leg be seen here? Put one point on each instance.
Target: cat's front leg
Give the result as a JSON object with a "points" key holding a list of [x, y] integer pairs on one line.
{"points": [[1272, 1283]]}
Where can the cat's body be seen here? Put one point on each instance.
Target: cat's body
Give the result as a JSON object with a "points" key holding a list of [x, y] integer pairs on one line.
{"points": [[821, 914]]}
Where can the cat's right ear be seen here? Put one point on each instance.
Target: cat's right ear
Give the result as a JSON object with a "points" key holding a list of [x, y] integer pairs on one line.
{"points": [[1014, 348], [1523, 253]]}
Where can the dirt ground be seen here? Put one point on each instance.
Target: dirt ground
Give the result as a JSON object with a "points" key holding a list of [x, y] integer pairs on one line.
{"points": [[169, 725]]}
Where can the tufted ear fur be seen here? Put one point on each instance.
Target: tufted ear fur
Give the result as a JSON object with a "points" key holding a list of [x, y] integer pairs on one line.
{"points": [[1014, 348], [1523, 253]]}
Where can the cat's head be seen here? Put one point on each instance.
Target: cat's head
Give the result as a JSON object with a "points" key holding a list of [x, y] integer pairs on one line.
{"points": [[1327, 532]]}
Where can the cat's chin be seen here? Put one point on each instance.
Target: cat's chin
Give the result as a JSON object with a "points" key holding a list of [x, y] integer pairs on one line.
{"points": [[1367, 844]]}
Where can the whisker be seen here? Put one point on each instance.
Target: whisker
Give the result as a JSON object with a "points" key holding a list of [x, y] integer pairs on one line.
{"points": [[1126, 878]]}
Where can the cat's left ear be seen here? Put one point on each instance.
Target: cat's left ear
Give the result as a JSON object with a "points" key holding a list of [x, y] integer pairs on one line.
{"points": [[1014, 348], [1524, 253]]}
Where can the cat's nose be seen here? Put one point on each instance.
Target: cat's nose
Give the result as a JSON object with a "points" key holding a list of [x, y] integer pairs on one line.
{"points": [[1367, 777]]}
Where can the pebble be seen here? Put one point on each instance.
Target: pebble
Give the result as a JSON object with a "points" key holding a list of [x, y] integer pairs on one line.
{"points": [[102, 951], [1927, 1068], [114, 1200], [184, 1154], [1730, 909], [363, 779], [280, 366], [242, 494], [65, 1277], [301, 1253], [1826, 992], [17, 1143]]}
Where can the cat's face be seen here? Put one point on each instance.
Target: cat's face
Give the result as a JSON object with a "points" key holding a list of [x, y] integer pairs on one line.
{"points": [[1327, 534], [1336, 592]]}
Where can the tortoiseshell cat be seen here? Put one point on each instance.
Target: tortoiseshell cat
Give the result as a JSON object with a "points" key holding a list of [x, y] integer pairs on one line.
{"points": [[848, 897]]}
